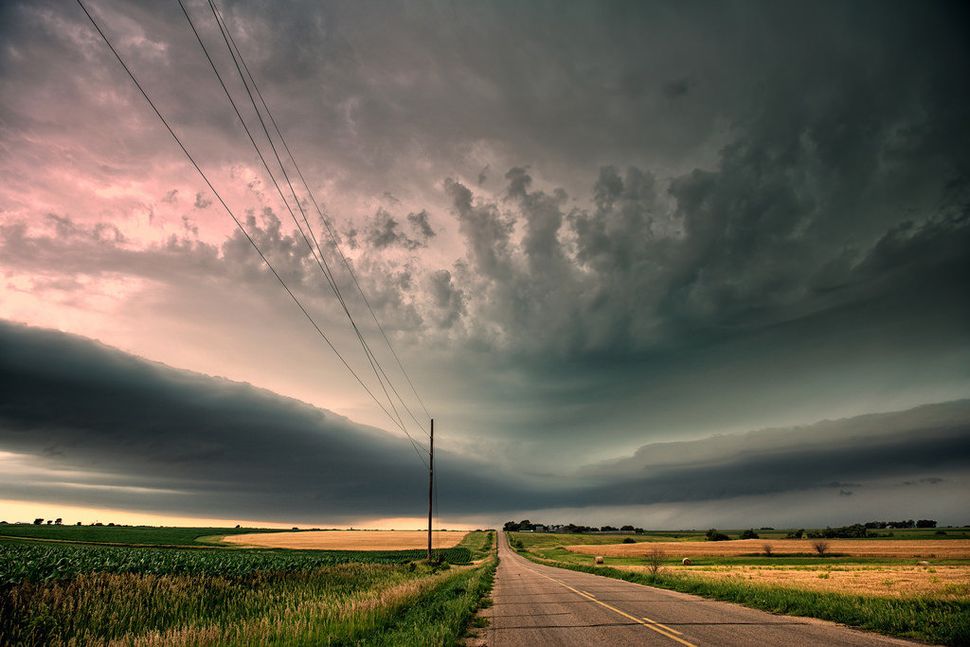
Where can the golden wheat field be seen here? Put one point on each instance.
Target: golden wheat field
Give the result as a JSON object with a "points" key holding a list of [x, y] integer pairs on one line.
{"points": [[348, 539], [939, 582], [927, 549]]}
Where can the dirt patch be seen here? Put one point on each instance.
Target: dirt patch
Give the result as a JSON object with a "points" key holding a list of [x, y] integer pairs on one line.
{"points": [[940, 582], [347, 539], [928, 549]]}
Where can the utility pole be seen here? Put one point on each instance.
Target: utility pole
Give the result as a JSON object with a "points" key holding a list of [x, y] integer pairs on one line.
{"points": [[430, 488]]}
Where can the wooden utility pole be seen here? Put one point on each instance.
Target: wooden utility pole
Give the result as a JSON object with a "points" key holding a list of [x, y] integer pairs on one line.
{"points": [[430, 488]]}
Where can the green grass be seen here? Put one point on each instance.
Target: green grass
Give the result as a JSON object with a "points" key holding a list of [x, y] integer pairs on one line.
{"points": [[478, 543], [135, 535], [542, 539], [442, 615], [939, 621], [61, 593], [560, 554]]}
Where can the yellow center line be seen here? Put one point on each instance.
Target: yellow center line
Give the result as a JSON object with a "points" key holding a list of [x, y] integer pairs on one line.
{"points": [[653, 625], [652, 621]]}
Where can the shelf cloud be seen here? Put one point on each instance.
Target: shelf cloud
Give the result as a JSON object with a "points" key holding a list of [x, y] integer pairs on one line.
{"points": [[84, 423]]}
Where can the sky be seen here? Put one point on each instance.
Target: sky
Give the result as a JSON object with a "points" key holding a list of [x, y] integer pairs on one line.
{"points": [[670, 264]]}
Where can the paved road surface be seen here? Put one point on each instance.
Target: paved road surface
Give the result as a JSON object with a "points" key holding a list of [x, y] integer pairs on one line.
{"points": [[536, 606]]}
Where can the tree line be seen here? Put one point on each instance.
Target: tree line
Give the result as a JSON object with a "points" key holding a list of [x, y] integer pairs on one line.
{"points": [[570, 528]]}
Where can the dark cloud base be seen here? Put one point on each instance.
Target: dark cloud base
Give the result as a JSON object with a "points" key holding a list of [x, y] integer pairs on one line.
{"points": [[109, 429]]}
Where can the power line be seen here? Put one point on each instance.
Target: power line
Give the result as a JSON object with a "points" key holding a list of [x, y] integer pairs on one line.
{"points": [[237, 59], [323, 217], [225, 206], [323, 266], [317, 254]]}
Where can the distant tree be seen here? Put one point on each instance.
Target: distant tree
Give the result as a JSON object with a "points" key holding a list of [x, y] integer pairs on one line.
{"points": [[926, 523], [749, 534], [765, 528], [525, 524], [639, 531], [629, 540], [608, 529], [78, 523], [50, 521], [38, 521], [510, 526], [627, 528], [855, 531], [767, 549], [112, 523], [796, 534], [58, 521], [237, 525], [714, 535], [820, 547]]}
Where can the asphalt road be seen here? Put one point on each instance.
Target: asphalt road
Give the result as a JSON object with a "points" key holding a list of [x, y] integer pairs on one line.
{"points": [[538, 605]]}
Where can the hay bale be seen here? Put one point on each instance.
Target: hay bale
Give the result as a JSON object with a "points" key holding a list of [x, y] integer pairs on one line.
{"points": [[598, 559], [922, 562], [686, 561]]}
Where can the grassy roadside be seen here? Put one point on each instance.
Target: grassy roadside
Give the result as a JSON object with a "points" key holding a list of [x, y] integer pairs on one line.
{"points": [[479, 544], [938, 621], [442, 616]]}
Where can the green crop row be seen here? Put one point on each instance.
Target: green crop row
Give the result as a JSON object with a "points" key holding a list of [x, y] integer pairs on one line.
{"points": [[40, 562], [137, 535]]}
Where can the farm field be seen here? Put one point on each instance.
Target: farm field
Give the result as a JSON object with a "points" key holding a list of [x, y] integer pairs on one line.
{"points": [[60, 593], [930, 549], [890, 580], [876, 584], [347, 539], [127, 535]]}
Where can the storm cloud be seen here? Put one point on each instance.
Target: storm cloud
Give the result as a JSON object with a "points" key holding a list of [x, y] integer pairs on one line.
{"points": [[84, 423], [121, 428], [586, 229]]}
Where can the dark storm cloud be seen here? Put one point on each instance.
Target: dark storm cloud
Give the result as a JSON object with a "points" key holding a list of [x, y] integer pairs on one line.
{"points": [[107, 428], [202, 445], [677, 88], [871, 447], [420, 224], [712, 216], [449, 301], [384, 231]]}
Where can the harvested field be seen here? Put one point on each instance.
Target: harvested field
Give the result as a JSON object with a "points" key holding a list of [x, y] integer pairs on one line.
{"points": [[937, 582], [930, 549], [348, 539]]}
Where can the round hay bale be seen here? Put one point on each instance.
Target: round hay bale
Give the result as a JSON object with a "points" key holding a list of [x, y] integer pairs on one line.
{"points": [[686, 561], [922, 562], [598, 559]]}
